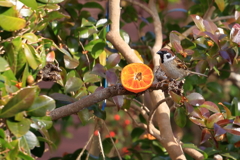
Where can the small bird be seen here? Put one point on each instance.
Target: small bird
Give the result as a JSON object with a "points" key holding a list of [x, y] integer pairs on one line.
{"points": [[173, 67]]}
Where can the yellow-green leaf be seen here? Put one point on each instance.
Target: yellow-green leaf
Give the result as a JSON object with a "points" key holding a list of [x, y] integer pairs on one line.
{"points": [[220, 4], [9, 23]]}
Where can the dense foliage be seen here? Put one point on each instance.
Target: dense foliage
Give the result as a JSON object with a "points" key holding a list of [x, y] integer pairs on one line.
{"points": [[46, 40]]}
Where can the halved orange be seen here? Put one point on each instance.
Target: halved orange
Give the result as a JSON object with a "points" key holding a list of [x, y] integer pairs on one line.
{"points": [[136, 77]]}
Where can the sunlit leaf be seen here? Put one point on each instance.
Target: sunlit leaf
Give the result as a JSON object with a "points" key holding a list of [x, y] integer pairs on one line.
{"points": [[199, 22], [31, 37], [41, 106], [199, 122], [51, 1], [235, 33], [211, 106], [70, 63], [10, 23], [237, 121], [32, 56], [98, 49], [195, 99], [232, 129], [214, 118], [42, 122], [32, 4], [20, 102], [3, 65], [6, 3], [29, 141]]}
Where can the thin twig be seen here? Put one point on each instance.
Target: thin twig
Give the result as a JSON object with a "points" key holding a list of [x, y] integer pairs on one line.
{"points": [[84, 148], [119, 156], [154, 110], [100, 145]]}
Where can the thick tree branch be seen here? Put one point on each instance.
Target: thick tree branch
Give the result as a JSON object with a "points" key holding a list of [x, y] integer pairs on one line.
{"points": [[96, 97]]}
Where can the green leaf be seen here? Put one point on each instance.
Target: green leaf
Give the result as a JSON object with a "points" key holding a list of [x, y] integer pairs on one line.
{"points": [[32, 3], [31, 37], [88, 77], [42, 122], [32, 56], [93, 5], [12, 154], [41, 106], [214, 87], [180, 117], [51, 1], [20, 102], [29, 140], [19, 128], [98, 112], [98, 49], [3, 65], [24, 156], [54, 15], [84, 116], [107, 145], [9, 23], [73, 84], [136, 133], [220, 4], [2, 133]]}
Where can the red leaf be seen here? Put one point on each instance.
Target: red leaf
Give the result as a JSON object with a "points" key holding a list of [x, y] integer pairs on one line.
{"points": [[195, 99], [237, 121], [205, 135], [189, 107], [204, 112], [213, 37], [224, 122], [198, 121], [235, 33], [198, 21], [210, 26], [232, 129], [214, 119], [98, 69], [210, 106]]}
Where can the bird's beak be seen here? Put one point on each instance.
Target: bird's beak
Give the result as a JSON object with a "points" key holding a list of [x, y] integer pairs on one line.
{"points": [[159, 52]]}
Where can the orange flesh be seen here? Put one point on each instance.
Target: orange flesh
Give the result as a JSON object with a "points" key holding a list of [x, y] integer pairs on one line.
{"points": [[136, 77]]}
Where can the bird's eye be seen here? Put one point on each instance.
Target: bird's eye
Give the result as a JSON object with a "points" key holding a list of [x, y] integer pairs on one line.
{"points": [[168, 56]]}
